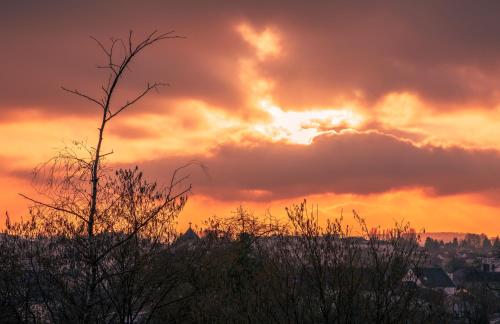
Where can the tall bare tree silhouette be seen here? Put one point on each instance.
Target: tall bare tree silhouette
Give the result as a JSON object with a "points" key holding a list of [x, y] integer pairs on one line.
{"points": [[94, 214]]}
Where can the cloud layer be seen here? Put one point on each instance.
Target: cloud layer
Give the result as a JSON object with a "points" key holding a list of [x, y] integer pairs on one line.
{"points": [[349, 162], [447, 53]]}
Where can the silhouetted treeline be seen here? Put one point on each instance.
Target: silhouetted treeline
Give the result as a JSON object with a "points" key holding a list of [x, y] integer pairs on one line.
{"points": [[478, 242], [237, 270]]}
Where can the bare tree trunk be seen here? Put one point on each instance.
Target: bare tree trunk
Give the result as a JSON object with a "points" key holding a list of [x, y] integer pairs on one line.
{"points": [[90, 228]]}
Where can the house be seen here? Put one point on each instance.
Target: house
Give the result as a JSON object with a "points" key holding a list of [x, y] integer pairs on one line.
{"points": [[434, 278], [491, 279], [491, 264]]}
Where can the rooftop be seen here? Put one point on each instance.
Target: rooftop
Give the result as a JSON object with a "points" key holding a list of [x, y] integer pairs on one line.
{"points": [[434, 277]]}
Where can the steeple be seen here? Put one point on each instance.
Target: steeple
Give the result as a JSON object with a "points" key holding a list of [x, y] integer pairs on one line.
{"points": [[189, 234]]}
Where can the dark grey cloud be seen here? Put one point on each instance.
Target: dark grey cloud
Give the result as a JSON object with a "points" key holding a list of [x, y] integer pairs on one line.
{"points": [[48, 45], [446, 52], [349, 162]]}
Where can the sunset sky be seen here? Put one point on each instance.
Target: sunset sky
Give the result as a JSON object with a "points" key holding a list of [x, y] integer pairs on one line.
{"points": [[391, 108]]}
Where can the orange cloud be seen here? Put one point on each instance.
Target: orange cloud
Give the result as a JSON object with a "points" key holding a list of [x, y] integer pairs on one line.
{"points": [[266, 43]]}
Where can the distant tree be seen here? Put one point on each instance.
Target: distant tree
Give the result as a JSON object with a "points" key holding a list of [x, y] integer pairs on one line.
{"points": [[496, 247], [496, 243], [486, 244], [431, 244], [472, 241]]}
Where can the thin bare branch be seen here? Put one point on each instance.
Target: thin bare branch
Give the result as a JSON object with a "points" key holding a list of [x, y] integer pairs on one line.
{"points": [[64, 210], [149, 87], [103, 48], [78, 93], [153, 214], [106, 154]]}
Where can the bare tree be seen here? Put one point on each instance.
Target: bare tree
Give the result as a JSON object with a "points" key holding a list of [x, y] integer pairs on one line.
{"points": [[94, 227], [325, 274], [250, 270]]}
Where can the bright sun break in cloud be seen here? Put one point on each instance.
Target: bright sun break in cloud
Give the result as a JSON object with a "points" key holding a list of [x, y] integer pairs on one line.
{"points": [[301, 127]]}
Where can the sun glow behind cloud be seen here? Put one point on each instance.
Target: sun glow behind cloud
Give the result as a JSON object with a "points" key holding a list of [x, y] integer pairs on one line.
{"points": [[300, 127]]}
